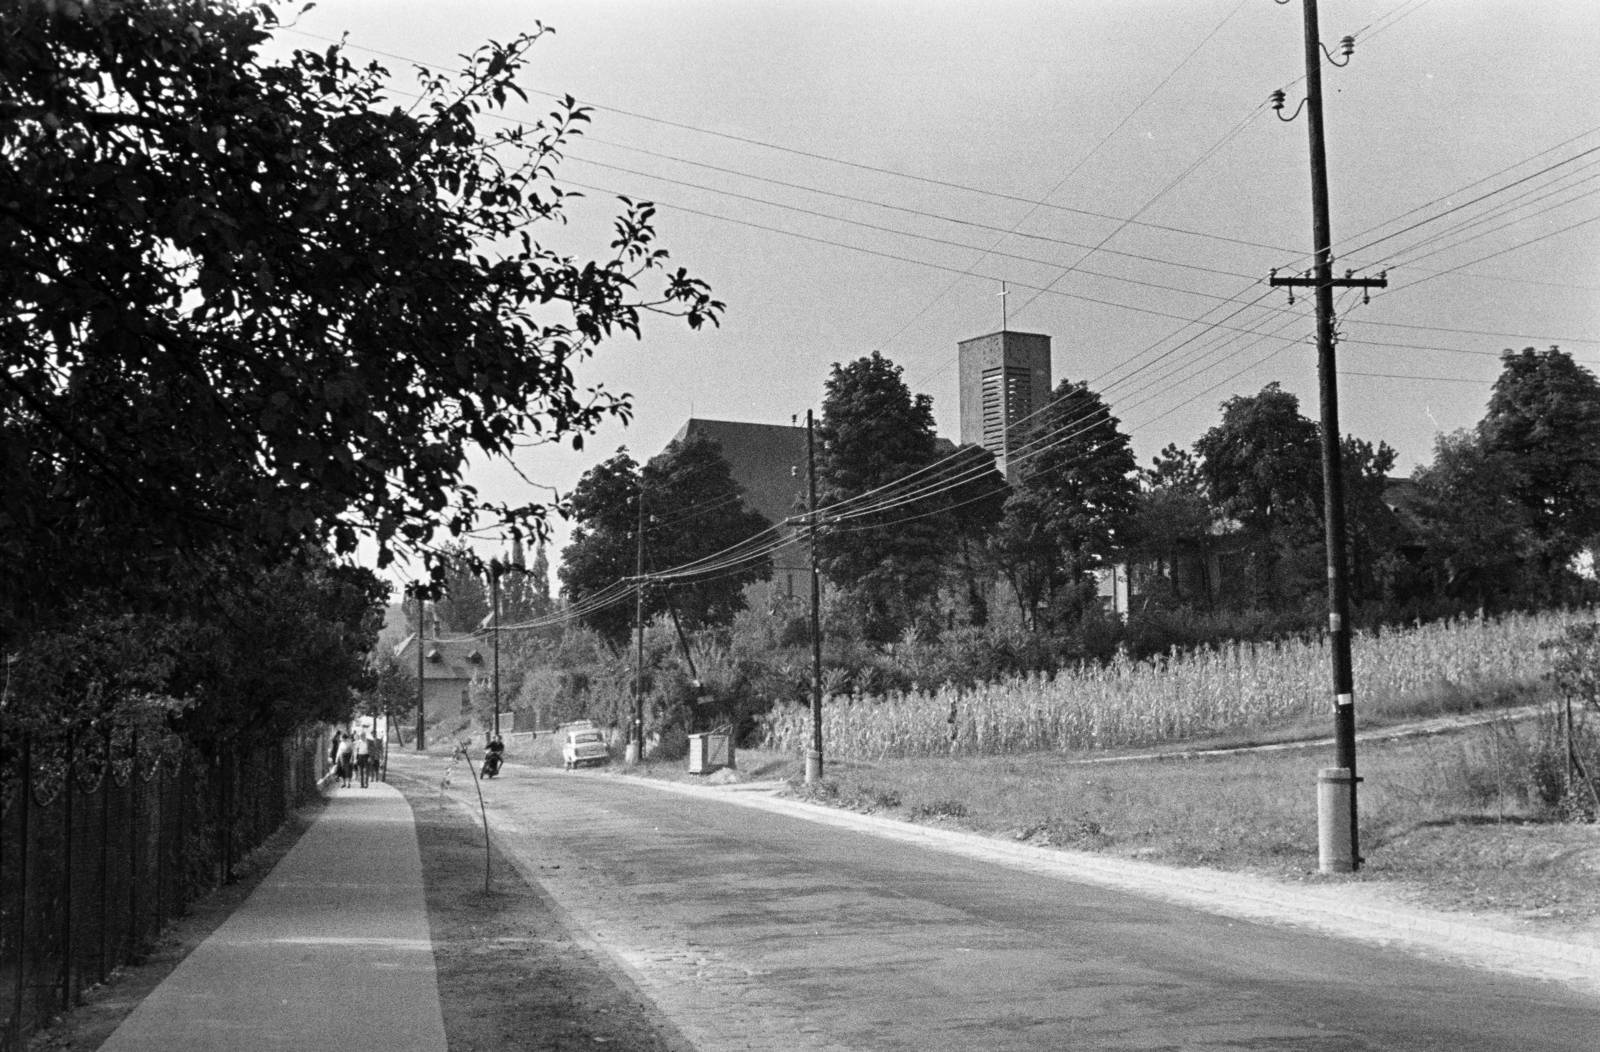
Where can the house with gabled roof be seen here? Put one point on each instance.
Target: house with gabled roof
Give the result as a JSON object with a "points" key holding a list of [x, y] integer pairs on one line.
{"points": [[448, 668]]}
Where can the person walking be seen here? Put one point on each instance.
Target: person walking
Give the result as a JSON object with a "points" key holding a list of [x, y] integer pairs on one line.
{"points": [[346, 760], [363, 751]]}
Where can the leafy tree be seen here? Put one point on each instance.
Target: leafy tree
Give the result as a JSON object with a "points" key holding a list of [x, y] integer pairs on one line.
{"points": [[391, 690], [525, 590], [464, 602], [976, 499], [253, 657], [603, 552], [1172, 514], [1479, 537], [252, 303], [289, 648], [1262, 466], [1544, 418], [1371, 529], [1025, 549], [693, 509], [873, 434], [1074, 501]]}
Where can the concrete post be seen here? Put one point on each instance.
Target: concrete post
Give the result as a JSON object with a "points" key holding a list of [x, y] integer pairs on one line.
{"points": [[1334, 787]]}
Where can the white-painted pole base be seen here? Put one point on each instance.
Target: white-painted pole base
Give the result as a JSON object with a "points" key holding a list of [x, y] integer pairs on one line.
{"points": [[813, 766], [630, 755], [1333, 820]]}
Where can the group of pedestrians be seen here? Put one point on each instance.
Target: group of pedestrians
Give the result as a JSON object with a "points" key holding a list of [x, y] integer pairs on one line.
{"points": [[354, 756]]}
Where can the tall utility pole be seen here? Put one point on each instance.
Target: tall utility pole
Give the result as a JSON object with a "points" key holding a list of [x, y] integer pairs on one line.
{"points": [[636, 749], [494, 612], [814, 755], [1344, 720], [422, 629]]}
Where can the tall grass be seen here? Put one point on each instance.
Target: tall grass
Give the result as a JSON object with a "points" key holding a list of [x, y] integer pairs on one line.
{"points": [[1177, 696]]}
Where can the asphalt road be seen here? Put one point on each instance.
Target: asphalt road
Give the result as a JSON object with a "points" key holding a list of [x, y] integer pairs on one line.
{"points": [[752, 930]]}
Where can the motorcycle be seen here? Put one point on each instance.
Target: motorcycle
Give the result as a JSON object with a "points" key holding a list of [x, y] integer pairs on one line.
{"points": [[491, 765]]}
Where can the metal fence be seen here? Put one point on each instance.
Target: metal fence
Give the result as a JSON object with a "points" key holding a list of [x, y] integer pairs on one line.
{"points": [[105, 838]]}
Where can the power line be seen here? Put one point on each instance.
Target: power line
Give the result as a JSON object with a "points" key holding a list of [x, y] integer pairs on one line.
{"points": [[1477, 182], [1171, 185], [860, 200], [1496, 229], [1511, 248], [1033, 209], [899, 258], [999, 195], [922, 237], [1471, 332]]}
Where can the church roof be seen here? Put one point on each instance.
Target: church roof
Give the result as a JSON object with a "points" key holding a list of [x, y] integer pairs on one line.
{"points": [[768, 461]]}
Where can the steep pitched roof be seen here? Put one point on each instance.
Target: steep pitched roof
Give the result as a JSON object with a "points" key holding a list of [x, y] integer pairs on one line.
{"points": [[459, 659]]}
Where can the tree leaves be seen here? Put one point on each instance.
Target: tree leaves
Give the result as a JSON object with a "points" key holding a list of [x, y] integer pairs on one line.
{"points": [[873, 433], [693, 509], [184, 333]]}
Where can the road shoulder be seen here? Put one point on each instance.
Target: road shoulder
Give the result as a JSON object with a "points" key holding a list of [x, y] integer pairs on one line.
{"points": [[513, 971], [1344, 909]]}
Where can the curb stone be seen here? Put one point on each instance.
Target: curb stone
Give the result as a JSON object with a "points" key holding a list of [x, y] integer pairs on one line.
{"points": [[1242, 895]]}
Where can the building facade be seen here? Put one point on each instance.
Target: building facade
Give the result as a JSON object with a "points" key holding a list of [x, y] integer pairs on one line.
{"points": [[768, 461], [1004, 380], [448, 669]]}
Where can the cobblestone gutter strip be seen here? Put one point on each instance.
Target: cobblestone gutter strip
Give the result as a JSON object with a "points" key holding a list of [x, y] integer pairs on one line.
{"points": [[1348, 910]]}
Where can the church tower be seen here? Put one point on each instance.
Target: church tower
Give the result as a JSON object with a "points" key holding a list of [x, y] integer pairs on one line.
{"points": [[1005, 379]]}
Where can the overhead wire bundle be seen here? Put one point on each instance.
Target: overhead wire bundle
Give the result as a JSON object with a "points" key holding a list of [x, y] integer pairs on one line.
{"points": [[1217, 337]]}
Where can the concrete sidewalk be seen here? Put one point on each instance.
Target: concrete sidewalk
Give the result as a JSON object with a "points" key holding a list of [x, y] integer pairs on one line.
{"points": [[330, 951]]}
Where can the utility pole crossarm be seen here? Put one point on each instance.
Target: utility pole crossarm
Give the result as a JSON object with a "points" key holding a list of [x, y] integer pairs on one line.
{"points": [[1337, 283]]}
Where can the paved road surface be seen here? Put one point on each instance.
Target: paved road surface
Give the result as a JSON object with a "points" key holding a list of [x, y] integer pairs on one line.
{"points": [[755, 930]]}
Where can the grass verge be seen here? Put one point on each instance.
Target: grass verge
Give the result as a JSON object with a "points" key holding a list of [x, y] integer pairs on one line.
{"points": [[1454, 818], [510, 974]]}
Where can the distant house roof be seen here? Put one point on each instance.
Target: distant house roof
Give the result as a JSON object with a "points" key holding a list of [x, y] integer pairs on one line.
{"points": [[444, 659], [768, 461]]}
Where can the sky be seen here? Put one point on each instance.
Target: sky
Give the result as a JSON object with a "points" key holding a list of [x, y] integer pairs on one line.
{"points": [[862, 176]]}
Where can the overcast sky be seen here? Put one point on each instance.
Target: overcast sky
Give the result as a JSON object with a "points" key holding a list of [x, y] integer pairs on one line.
{"points": [[1146, 109]]}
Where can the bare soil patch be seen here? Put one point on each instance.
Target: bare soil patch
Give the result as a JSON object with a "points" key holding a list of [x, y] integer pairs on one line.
{"points": [[512, 974]]}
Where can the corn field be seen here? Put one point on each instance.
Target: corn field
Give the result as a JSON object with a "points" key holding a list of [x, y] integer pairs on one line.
{"points": [[1176, 696]]}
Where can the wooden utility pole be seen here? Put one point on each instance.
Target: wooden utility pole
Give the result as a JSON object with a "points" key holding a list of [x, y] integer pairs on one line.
{"points": [[814, 755], [1324, 283], [638, 623], [494, 612], [422, 628]]}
